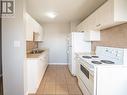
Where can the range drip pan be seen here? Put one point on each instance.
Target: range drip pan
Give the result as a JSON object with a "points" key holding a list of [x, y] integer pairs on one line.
{"points": [[95, 56], [107, 62], [96, 62], [88, 57]]}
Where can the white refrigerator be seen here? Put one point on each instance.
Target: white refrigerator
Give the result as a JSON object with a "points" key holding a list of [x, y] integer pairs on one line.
{"points": [[76, 44]]}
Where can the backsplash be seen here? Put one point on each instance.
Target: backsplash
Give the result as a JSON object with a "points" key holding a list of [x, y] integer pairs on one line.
{"points": [[31, 45], [113, 37]]}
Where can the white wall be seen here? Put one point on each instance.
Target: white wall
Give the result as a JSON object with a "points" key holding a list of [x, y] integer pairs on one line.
{"points": [[13, 57], [55, 36]]}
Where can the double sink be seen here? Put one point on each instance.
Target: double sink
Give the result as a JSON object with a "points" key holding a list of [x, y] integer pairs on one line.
{"points": [[35, 53]]}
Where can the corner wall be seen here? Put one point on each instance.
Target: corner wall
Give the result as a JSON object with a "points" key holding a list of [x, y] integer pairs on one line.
{"points": [[14, 57]]}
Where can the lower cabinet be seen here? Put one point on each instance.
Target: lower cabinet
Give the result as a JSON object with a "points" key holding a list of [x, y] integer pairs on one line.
{"points": [[36, 68]]}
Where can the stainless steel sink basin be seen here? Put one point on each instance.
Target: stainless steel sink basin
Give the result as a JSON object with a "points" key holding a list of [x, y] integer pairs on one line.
{"points": [[36, 51]]}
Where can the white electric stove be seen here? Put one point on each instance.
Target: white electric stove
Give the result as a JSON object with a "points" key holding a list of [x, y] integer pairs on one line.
{"points": [[103, 73], [106, 56]]}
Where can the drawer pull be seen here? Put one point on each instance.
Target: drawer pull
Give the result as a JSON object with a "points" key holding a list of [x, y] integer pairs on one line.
{"points": [[98, 25]]}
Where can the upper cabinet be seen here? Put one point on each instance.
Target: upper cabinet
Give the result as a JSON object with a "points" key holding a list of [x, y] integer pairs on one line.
{"points": [[38, 32], [111, 13], [92, 35], [80, 27], [29, 27], [34, 31]]}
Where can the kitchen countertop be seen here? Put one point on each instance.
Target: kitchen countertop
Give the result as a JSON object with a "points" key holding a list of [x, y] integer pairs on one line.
{"points": [[34, 55]]}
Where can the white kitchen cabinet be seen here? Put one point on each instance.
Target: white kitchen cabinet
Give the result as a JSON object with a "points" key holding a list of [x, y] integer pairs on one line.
{"points": [[33, 75], [36, 68], [80, 27], [92, 35], [84, 25], [34, 31], [91, 21], [29, 27], [38, 34], [111, 13], [40, 38], [104, 15]]}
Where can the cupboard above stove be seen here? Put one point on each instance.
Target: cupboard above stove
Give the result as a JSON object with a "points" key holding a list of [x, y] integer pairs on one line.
{"points": [[91, 35], [111, 13]]}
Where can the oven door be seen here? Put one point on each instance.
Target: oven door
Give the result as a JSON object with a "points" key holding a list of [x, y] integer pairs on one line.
{"points": [[86, 78], [84, 75]]}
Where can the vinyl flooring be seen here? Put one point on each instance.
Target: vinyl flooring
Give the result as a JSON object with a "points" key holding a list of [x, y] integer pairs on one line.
{"points": [[58, 81]]}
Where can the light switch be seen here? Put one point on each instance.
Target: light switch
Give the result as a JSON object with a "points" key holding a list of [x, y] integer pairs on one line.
{"points": [[16, 43]]}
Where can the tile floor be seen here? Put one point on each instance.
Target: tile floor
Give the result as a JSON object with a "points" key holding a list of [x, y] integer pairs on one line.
{"points": [[58, 81]]}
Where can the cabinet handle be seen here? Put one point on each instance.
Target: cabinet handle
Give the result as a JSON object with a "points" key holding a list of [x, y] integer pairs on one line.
{"points": [[98, 25]]}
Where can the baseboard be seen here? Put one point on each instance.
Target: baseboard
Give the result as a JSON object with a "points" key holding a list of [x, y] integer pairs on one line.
{"points": [[58, 63]]}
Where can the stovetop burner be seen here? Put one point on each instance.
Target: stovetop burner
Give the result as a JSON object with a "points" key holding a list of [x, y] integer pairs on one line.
{"points": [[95, 56], [88, 57], [107, 62], [96, 62]]}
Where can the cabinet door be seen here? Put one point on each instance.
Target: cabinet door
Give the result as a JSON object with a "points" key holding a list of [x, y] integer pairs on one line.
{"points": [[87, 36], [105, 15], [40, 38], [42, 34], [43, 65], [80, 27], [92, 36], [33, 29], [35, 26], [29, 28], [84, 25], [33, 71], [41, 69], [38, 32], [90, 22]]}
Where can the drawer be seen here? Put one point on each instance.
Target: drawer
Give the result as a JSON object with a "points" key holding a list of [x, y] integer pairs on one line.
{"points": [[83, 87]]}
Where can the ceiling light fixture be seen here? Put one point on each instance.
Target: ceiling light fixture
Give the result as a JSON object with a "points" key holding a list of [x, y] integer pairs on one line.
{"points": [[51, 14]]}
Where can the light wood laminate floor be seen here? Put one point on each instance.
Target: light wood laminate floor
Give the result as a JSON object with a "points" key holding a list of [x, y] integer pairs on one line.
{"points": [[58, 81]]}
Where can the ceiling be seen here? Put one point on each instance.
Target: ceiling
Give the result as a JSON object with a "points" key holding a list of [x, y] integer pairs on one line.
{"points": [[67, 10]]}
